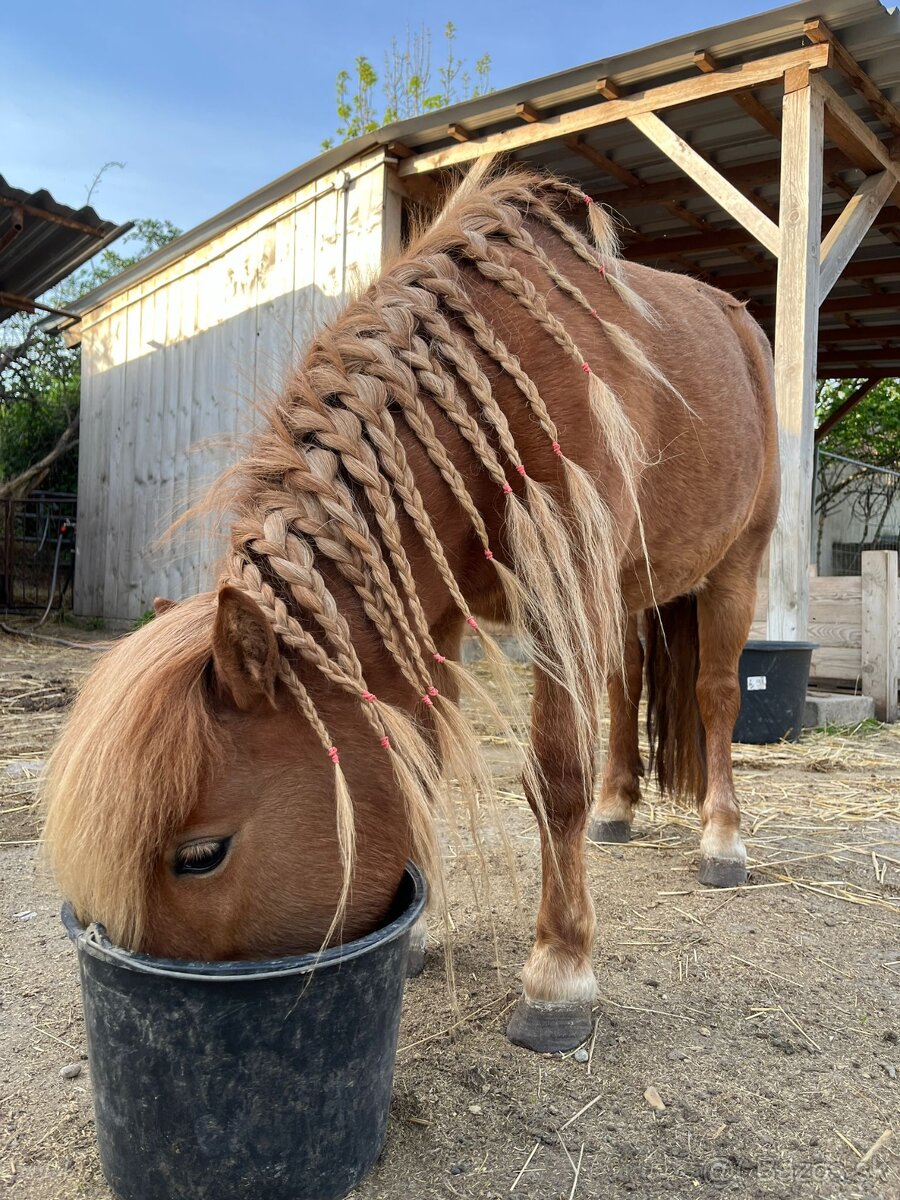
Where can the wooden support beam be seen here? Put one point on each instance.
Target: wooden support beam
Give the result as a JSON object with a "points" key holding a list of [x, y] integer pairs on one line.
{"points": [[734, 202], [843, 238], [817, 31], [666, 247], [856, 356], [706, 62], [686, 91], [398, 150], [609, 89], [527, 112], [459, 133], [743, 176], [839, 373], [861, 268], [880, 637], [578, 146], [795, 358], [857, 128], [881, 302], [858, 333], [837, 414]]}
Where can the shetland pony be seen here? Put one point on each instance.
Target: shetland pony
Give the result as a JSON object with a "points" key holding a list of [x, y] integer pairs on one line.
{"points": [[511, 424]]}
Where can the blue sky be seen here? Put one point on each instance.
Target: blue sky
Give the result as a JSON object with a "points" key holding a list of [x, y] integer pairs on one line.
{"points": [[205, 102]]}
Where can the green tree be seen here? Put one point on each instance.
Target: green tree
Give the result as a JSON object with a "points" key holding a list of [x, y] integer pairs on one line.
{"points": [[407, 84], [870, 434], [40, 378]]}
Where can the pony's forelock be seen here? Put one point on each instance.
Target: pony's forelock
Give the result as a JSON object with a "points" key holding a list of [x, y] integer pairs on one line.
{"points": [[130, 766]]}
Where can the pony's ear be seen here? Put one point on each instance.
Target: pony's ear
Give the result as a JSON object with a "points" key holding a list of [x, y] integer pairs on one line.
{"points": [[161, 605], [245, 652]]}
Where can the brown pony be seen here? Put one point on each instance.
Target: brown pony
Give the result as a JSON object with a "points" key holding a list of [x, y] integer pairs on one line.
{"points": [[510, 424]]}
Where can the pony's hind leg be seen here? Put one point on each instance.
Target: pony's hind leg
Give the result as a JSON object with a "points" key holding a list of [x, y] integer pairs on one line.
{"points": [[724, 616], [559, 986], [621, 788]]}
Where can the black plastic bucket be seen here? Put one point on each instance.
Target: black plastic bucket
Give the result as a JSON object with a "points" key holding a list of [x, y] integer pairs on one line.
{"points": [[232, 1080], [774, 678]]}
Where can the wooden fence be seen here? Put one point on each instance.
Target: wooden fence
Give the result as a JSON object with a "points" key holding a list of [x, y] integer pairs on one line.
{"points": [[855, 619]]}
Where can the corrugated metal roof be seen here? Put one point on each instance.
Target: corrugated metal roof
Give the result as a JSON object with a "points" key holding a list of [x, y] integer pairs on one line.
{"points": [[672, 224], [41, 242]]}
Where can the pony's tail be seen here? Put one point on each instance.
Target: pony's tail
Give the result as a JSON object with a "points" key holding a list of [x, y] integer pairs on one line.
{"points": [[675, 731]]}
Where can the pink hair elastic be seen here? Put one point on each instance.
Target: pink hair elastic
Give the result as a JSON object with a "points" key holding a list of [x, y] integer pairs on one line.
{"points": [[472, 622], [586, 367], [602, 269], [426, 699], [489, 554], [557, 449], [506, 488], [432, 691], [385, 742], [587, 199], [333, 754], [521, 469], [439, 658], [594, 313], [369, 696]]}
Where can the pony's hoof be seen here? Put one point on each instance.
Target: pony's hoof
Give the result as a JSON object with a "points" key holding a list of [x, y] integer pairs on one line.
{"points": [[609, 831], [722, 872], [550, 1026], [415, 963]]}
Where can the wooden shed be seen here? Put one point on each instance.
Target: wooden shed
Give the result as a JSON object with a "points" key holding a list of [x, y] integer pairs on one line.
{"points": [[756, 155]]}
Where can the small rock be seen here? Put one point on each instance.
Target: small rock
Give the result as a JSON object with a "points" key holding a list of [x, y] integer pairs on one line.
{"points": [[654, 1099], [474, 1108], [704, 1032], [72, 1071], [676, 1056], [581, 1055], [654, 983], [456, 1170], [889, 1069], [25, 915]]}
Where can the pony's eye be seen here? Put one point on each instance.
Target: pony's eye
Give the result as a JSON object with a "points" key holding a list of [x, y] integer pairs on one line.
{"points": [[201, 857]]}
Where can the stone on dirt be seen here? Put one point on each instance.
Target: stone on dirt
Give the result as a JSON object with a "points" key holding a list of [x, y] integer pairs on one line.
{"points": [[654, 1099]]}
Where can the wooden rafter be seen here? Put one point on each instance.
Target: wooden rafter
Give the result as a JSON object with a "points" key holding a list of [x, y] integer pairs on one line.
{"points": [[840, 411], [859, 355], [859, 333], [817, 31], [883, 302], [656, 99]]}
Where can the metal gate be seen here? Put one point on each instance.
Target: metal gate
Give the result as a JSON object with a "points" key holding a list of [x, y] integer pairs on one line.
{"points": [[37, 550]]}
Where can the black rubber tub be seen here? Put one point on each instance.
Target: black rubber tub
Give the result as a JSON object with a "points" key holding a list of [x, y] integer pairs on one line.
{"points": [[774, 677], [232, 1080]]}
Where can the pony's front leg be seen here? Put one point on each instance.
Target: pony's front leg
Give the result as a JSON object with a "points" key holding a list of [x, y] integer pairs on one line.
{"points": [[620, 791], [559, 986]]}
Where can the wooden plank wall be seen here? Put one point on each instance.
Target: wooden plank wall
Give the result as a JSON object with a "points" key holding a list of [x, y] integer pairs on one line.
{"points": [[175, 369], [856, 622]]}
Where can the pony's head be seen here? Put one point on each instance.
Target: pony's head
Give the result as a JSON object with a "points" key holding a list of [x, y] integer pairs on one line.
{"points": [[191, 809]]}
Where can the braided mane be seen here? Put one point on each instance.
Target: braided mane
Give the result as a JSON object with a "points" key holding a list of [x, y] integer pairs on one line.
{"points": [[318, 502], [407, 353]]}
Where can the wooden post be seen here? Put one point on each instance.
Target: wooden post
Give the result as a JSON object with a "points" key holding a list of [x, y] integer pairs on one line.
{"points": [[880, 631], [796, 321]]}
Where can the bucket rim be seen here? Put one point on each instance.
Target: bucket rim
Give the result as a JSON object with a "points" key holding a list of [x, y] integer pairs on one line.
{"points": [[92, 940], [763, 645]]}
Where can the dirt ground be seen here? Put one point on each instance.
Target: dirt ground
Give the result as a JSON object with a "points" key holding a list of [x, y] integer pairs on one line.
{"points": [[766, 1017]]}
